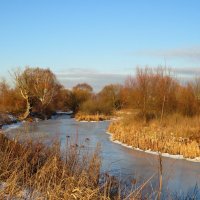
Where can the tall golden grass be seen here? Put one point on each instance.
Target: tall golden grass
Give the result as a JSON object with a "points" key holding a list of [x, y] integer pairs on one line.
{"points": [[86, 117], [174, 135], [32, 170]]}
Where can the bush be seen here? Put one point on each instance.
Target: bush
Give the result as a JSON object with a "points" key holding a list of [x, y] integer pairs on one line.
{"points": [[96, 106]]}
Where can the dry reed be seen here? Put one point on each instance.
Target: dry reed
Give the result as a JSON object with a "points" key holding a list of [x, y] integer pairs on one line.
{"points": [[97, 117], [32, 170], [175, 135]]}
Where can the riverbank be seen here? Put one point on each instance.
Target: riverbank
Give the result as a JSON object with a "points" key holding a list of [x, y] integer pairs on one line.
{"points": [[7, 119], [155, 138], [31, 170], [197, 159], [91, 118]]}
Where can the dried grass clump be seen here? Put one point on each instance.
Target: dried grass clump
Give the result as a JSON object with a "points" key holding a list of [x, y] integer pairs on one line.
{"points": [[96, 117], [32, 170], [175, 135]]}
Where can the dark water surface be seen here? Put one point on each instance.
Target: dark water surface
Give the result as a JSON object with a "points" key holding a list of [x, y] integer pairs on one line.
{"points": [[178, 175]]}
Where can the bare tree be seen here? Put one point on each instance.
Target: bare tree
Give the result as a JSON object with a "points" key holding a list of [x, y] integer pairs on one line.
{"points": [[23, 81], [144, 88], [196, 88], [44, 85], [36, 83], [164, 90]]}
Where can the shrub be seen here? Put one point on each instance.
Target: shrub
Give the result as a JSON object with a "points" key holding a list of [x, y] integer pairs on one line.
{"points": [[96, 106]]}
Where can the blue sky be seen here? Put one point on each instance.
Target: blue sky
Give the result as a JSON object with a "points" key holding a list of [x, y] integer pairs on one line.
{"points": [[99, 41]]}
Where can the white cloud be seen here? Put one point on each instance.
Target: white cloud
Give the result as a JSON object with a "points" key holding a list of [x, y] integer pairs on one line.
{"points": [[188, 71], [71, 77], [191, 53]]}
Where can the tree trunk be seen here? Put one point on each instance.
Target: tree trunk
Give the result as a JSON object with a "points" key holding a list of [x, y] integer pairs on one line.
{"points": [[28, 109]]}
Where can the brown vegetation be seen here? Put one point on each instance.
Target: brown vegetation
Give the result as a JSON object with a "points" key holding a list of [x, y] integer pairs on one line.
{"points": [[165, 114], [36, 85], [10, 100], [97, 117], [154, 94], [157, 92], [102, 105], [176, 135], [36, 93], [31, 170]]}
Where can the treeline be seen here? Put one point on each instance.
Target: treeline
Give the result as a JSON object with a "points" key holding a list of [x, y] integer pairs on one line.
{"points": [[37, 92], [156, 92], [164, 114], [153, 92]]}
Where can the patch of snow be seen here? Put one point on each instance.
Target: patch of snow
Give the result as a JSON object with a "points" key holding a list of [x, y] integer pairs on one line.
{"points": [[88, 121], [37, 120], [6, 128], [12, 118], [107, 120], [62, 112]]}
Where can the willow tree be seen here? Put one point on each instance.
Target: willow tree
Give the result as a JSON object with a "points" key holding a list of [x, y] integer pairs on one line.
{"points": [[36, 83]]}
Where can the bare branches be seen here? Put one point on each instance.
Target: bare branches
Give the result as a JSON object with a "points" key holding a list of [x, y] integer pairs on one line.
{"points": [[152, 91], [36, 83], [44, 85]]}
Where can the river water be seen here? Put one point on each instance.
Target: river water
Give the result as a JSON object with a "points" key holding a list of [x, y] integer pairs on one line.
{"points": [[179, 176]]}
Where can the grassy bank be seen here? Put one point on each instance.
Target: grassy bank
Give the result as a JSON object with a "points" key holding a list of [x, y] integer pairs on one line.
{"points": [[175, 135], [88, 117], [31, 170]]}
